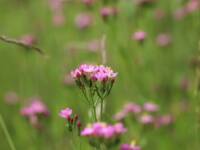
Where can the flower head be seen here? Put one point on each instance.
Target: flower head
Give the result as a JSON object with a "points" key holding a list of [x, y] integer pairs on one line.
{"points": [[83, 21], [139, 36], [66, 113]]}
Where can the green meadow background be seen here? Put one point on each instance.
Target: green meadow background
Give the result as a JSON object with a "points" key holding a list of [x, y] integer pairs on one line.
{"points": [[147, 72]]}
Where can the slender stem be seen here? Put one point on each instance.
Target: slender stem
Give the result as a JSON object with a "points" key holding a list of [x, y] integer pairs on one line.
{"points": [[19, 43], [5, 130]]}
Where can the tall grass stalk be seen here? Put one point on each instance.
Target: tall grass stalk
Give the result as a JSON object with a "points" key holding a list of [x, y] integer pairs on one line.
{"points": [[5, 130]]}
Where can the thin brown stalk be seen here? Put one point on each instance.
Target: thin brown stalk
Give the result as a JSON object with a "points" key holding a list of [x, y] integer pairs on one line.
{"points": [[20, 43]]}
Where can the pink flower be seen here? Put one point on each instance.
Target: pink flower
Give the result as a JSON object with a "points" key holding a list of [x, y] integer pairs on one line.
{"points": [[33, 110], [164, 120], [192, 5], [76, 74], [163, 40], [146, 119], [151, 107], [120, 115], [94, 73], [133, 108], [180, 13], [103, 130], [36, 107], [66, 113], [107, 12], [83, 21], [87, 132], [28, 39], [119, 128], [139, 36]]}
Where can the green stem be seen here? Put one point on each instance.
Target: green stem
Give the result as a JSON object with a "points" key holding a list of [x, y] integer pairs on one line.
{"points": [[5, 130]]}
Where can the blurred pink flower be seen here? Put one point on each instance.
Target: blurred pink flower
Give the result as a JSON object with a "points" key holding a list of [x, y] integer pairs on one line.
{"points": [[103, 130], [163, 39], [139, 36], [192, 6], [11, 98], [33, 111], [146, 119], [150, 107], [164, 121], [28, 39], [66, 113], [180, 13], [83, 21], [133, 108], [36, 107], [108, 11]]}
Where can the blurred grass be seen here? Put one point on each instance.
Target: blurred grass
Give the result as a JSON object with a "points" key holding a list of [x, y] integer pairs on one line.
{"points": [[140, 67]]}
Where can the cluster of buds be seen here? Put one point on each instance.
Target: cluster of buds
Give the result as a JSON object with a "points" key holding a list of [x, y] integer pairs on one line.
{"points": [[145, 115], [73, 121], [101, 132], [99, 79], [132, 146], [34, 110]]}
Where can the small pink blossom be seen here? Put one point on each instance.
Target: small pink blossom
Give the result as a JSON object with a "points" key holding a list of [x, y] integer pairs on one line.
{"points": [[103, 130], [28, 39], [164, 120], [83, 21], [163, 40], [107, 12], [36, 107], [151, 107], [139, 36], [66, 113], [146, 119]]}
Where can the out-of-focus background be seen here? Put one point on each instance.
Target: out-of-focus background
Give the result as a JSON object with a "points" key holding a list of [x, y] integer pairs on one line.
{"points": [[153, 45]]}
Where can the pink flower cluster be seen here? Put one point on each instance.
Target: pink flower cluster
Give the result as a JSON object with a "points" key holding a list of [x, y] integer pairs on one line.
{"points": [[83, 21], [107, 12], [145, 114], [34, 110], [139, 36], [190, 7], [102, 130], [94, 73], [28, 39], [72, 120], [36, 107]]}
